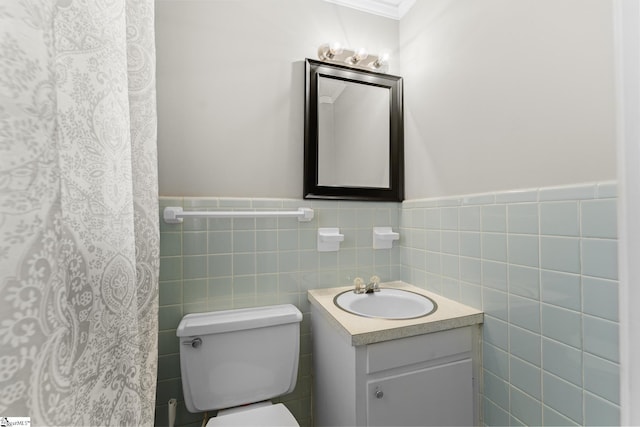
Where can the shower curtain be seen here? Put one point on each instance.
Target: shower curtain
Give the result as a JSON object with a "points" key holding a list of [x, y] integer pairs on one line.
{"points": [[79, 234]]}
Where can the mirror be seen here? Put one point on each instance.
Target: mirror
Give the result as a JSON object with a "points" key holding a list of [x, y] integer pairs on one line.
{"points": [[353, 134]]}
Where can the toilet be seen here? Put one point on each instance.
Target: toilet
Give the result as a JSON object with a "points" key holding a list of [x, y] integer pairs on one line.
{"points": [[234, 361]]}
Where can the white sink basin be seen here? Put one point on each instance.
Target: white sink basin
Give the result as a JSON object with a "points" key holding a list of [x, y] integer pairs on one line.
{"points": [[386, 304]]}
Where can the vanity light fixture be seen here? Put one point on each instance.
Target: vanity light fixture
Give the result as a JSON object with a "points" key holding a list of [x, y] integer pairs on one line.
{"points": [[358, 55], [336, 54], [329, 51], [380, 61]]}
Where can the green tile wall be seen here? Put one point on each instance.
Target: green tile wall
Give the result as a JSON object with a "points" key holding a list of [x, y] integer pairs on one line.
{"points": [[542, 264], [218, 264]]}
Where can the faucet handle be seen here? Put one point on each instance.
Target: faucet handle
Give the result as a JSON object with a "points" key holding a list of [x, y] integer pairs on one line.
{"points": [[358, 285], [376, 283]]}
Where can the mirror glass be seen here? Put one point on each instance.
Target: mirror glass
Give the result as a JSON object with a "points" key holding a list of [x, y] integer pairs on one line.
{"points": [[353, 134]]}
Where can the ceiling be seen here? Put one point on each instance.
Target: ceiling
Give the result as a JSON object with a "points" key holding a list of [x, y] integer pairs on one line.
{"points": [[394, 9]]}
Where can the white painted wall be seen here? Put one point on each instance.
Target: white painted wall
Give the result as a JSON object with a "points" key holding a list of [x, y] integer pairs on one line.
{"points": [[503, 94], [499, 94], [230, 78]]}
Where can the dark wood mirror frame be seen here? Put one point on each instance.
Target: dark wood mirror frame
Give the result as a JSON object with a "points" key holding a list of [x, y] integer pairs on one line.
{"points": [[312, 190]]}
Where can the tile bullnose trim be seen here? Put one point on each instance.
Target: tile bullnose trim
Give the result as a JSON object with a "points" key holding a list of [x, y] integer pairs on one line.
{"points": [[579, 191]]}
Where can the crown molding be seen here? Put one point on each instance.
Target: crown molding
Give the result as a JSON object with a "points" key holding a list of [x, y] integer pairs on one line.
{"points": [[394, 9]]}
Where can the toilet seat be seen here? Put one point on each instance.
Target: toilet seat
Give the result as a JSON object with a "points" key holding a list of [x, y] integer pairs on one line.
{"points": [[256, 415]]}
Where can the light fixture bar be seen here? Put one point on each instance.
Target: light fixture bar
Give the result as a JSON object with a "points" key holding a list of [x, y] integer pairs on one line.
{"points": [[358, 58]]}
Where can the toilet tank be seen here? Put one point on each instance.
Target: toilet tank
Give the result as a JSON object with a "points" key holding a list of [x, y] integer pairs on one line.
{"points": [[236, 357]]}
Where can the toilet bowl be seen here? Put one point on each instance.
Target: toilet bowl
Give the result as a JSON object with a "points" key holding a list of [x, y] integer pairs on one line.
{"points": [[234, 361]]}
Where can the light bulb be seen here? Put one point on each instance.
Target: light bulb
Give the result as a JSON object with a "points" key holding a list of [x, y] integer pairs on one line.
{"points": [[361, 54], [358, 55], [380, 60], [330, 50]]}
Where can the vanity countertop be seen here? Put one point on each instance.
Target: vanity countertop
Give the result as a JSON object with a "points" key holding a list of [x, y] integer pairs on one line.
{"points": [[365, 330]]}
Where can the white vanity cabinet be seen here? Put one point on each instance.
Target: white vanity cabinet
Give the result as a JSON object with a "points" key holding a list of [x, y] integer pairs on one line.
{"points": [[420, 380]]}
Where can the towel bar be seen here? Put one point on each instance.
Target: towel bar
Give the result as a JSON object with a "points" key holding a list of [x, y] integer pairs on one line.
{"points": [[175, 214]]}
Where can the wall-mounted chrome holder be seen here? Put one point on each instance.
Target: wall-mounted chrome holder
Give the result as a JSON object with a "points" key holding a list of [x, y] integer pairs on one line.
{"points": [[329, 239], [383, 237]]}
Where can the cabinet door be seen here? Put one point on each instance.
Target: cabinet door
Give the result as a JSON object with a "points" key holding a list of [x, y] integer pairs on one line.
{"points": [[440, 395]]}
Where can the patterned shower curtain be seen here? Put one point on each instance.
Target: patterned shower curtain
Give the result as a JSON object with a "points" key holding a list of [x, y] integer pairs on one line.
{"points": [[79, 235]]}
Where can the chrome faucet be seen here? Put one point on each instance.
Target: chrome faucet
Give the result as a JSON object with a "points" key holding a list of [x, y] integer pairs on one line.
{"points": [[366, 288]]}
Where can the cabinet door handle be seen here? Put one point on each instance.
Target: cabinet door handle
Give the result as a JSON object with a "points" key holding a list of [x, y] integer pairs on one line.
{"points": [[378, 393]]}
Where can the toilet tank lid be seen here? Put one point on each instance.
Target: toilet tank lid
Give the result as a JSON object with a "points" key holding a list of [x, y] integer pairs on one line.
{"points": [[217, 322]]}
